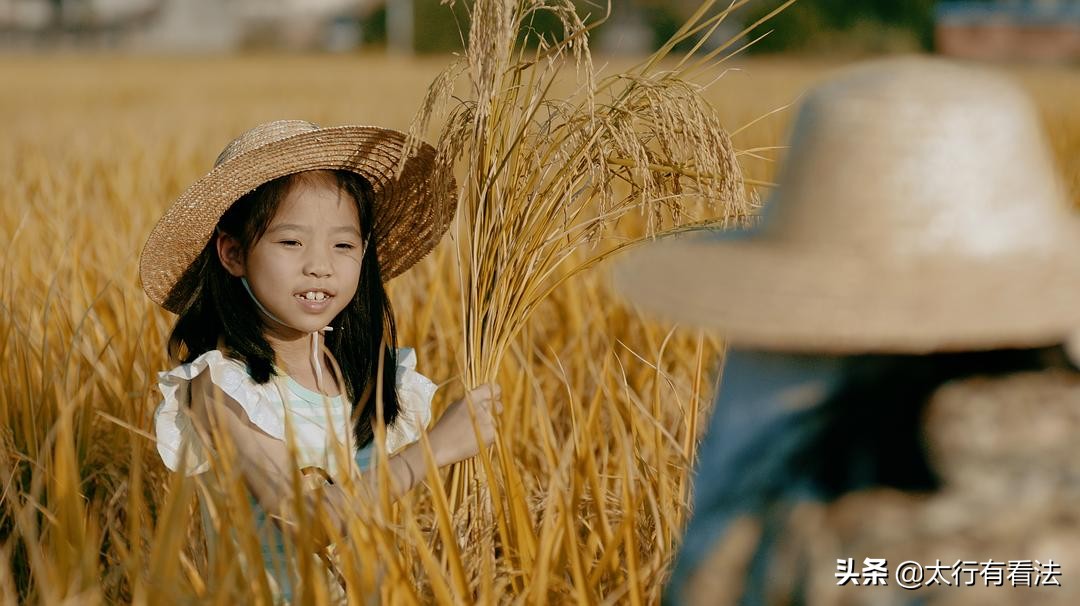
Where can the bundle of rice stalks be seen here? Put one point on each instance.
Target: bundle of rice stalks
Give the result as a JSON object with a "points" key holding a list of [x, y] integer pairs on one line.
{"points": [[545, 176]]}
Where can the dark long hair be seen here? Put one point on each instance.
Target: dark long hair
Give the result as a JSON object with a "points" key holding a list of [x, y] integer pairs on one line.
{"points": [[871, 431], [214, 307]]}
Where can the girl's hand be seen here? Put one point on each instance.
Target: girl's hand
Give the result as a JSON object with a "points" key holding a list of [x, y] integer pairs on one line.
{"points": [[453, 438]]}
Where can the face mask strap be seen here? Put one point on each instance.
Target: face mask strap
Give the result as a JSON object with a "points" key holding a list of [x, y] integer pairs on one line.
{"points": [[315, 349]]}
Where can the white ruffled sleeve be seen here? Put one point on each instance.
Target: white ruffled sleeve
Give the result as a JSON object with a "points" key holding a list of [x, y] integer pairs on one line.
{"points": [[415, 392], [172, 422], [174, 429]]}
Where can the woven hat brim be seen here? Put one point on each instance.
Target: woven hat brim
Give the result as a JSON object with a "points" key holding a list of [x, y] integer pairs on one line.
{"points": [[410, 217], [761, 294]]}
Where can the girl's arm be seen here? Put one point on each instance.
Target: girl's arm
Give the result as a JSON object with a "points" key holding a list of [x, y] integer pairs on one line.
{"points": [[452, 438], [265, 463]]}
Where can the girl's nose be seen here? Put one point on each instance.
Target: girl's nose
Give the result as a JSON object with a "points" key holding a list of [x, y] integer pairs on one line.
{"points": [[317, 264]]}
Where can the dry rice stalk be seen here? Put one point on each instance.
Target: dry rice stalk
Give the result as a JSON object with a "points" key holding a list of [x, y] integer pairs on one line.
{"points": [[549, 176], [546, 177]]}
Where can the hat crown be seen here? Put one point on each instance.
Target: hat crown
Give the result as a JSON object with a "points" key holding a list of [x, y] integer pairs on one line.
{"points": [[262, 135], [917, 157], [918, 211]]}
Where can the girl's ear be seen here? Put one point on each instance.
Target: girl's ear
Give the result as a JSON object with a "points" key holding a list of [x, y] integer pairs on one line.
{"points": [[230, 253]]}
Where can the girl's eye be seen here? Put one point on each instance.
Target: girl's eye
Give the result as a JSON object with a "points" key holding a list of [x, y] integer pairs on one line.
{"points": [[290, 242], [346, 246]]}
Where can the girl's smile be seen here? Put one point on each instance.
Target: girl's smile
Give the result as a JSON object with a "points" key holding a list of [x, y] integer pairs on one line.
{"points": [[315, 299]]}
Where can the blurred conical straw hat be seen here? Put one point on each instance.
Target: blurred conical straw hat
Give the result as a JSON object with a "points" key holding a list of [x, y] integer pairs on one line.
{"points": [[918, 210]]}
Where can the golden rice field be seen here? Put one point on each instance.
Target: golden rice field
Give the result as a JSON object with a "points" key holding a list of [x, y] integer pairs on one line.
{"points": [[603, 404]]}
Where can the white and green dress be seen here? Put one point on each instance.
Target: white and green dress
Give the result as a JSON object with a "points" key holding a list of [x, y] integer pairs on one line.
{"points": [[317, 423]]}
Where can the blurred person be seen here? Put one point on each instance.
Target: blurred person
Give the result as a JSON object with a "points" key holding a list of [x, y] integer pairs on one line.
{"points": [[291, 235], [918, 237]]}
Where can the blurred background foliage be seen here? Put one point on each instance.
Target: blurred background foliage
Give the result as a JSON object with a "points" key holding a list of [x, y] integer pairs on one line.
{"points": [[821, 26], [846, 26]]}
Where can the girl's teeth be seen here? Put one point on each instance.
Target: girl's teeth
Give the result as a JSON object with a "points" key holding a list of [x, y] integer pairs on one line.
{"points": [[313, 296]]}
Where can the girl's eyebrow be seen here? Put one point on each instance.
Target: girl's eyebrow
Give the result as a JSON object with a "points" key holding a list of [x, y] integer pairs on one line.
{"points": [[287, 226], [348, 229]]}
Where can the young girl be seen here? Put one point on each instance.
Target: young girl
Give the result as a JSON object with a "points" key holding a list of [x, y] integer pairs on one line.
{"points": [[275, 262]]}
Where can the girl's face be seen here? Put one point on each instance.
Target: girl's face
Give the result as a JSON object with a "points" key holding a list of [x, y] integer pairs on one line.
{"points": [[306, 266]]}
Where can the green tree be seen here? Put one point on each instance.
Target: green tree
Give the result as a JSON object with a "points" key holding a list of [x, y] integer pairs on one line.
{"points": [[815, 24]]}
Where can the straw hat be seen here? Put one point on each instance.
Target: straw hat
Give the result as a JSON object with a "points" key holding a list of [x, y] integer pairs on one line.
{"points": [[918, 210], [410, 217]]}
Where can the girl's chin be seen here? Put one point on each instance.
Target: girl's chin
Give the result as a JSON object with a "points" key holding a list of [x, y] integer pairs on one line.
{"points": [[297, 330], [304, 320]]}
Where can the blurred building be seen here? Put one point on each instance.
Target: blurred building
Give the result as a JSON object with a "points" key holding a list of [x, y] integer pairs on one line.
{"points": [[183, 25], [1037, 30]]}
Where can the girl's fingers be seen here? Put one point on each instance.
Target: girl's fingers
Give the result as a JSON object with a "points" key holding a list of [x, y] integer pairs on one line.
{"points": [[489, 390], [494, 404]]}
